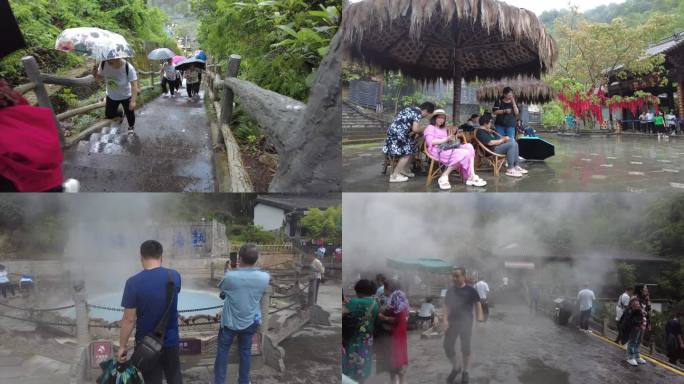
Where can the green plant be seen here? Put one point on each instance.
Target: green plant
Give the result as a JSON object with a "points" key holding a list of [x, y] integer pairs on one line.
{"points": [[249, 233], [281, 42], [326, 224]]}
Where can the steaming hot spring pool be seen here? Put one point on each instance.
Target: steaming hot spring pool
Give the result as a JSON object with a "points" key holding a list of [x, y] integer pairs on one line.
{"points": [[187, 299]]}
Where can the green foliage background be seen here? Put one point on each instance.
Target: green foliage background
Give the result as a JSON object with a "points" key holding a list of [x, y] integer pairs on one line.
{"points": [[281, 42], [326, 224], [41, 21]]}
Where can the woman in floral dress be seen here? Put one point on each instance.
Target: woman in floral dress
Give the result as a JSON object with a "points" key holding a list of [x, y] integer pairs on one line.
{"points": [[358, 351], [399, 142]]}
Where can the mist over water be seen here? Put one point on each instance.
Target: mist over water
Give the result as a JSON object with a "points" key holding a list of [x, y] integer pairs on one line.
{"points": [[483, 231], [105, 233]]}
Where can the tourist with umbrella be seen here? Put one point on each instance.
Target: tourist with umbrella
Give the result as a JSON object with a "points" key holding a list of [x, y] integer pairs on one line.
{"points": [[168, 70], [192, 68], [120, 77]]}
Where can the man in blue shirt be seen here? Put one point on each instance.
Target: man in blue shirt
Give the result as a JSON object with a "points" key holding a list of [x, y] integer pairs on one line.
{"points": [[144, 302], [243, 288]]}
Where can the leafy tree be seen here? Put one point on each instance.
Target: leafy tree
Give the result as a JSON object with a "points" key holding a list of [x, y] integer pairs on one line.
{"points": [[626, 274], [591, 52], [281, 42], [41, 21], [326, 224], [250, 233]]}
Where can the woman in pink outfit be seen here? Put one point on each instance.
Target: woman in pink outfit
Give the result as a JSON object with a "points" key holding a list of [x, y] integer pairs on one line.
{"points": [[438, 140]]}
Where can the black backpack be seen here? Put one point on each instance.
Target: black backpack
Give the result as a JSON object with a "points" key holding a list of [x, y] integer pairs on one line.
{"points": [[103, 63]]}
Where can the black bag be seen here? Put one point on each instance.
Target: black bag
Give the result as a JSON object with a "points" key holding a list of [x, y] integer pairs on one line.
{"points": [[447, 145], [148, 351], [351, 323]]}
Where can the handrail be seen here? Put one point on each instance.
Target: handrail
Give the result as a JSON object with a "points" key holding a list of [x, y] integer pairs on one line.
{"points": [[80, 111], [24, 88], [306, 137]]}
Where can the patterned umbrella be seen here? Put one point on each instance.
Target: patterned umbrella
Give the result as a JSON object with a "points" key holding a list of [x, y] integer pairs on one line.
{"points": [[94, 42], [161, 54], [193, 60]]}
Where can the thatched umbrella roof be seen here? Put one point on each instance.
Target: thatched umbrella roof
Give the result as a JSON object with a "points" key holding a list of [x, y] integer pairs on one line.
{"points": [[431, 40], [528, 90]]}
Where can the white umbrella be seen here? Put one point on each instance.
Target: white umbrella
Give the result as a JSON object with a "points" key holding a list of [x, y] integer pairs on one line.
{"points": [[97, 43]]}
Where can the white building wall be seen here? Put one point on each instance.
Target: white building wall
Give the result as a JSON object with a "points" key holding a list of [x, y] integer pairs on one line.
{"points": [[270, 218]]}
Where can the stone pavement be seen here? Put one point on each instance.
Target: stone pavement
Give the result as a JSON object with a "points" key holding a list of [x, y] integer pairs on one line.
{"points": [[581, 164], [27, 357], [517, 347], [171, 151]]}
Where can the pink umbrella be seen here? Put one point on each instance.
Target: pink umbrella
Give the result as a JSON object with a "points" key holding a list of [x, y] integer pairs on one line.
{"points": [[177, 59]]}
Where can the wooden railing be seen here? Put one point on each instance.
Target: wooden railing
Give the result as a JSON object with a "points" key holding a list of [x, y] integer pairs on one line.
{"points": [[306, 137], [37, 85]]}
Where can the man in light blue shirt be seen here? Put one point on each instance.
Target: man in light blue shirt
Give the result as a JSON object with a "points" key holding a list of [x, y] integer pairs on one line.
{"points": [[243, 288]]}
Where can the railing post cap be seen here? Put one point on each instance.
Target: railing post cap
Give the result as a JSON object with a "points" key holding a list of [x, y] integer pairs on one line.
{"points": [[236, 57]]}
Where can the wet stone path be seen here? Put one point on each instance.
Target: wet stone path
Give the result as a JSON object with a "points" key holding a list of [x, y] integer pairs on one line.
{"points": [[581, 164], [517, 347], [171, 151]]}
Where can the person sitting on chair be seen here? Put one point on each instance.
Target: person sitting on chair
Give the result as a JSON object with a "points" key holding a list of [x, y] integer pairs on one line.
{"points": [[445, 147], [502, 145], [427, 312]]}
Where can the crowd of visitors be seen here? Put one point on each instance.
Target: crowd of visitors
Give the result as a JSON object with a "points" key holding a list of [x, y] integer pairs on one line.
{"points": [[498, 131], [375, 326]]}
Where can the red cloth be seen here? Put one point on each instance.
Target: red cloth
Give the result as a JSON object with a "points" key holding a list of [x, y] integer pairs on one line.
{"points": [[30, 153], [399, 353]]}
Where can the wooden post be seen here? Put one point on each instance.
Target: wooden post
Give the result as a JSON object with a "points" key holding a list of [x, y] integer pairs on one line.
{"points": [[228, 95], [680, 96], [458, 74], [152, 77], [33, 73]]}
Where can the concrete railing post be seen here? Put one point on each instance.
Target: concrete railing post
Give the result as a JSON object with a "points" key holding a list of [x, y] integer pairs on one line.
{"points": [[33, 73], [312, 292], [82, 319], [604, 328], [265, 316]]}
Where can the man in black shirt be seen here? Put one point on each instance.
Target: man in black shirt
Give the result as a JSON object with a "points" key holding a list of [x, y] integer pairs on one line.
{"points": [[506, 112], [459, 302], [673, 337]]}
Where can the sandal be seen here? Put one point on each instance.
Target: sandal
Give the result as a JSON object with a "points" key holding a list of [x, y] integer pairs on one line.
{"points": [[444, 183]]}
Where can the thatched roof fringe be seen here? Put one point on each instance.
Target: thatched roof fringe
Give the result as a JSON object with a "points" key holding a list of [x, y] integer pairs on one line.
{"points": [[526, 89]]}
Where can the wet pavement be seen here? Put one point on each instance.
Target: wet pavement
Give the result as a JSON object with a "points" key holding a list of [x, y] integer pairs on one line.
{"points": [[581, 164], [515, 346], [171, 151]]}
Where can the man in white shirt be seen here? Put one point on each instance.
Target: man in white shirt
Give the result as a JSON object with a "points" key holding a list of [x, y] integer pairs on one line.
{"points": [[622, 304], [649, 120], [585, 298], [482, 289], [121, 82], [318, 270]]}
